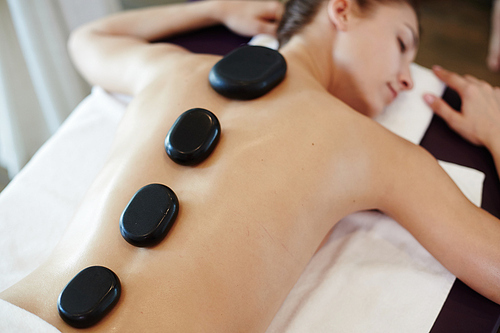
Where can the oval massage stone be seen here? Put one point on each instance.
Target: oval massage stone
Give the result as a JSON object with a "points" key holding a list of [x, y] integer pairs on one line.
{"points": [[248, 72], [89, 296], [149, 215], [193, 137]]}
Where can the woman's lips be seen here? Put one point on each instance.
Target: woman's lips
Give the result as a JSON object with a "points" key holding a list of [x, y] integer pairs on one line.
{"points": [[393, 91]]}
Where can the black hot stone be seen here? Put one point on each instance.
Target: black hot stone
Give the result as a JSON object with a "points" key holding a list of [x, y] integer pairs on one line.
{"points": [[193, 137], [89, 296], [248, 72], [149, 215]]}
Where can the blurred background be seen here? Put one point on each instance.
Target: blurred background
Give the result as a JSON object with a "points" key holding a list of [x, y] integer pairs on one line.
{"points": [[455, 35], [39, 86]]}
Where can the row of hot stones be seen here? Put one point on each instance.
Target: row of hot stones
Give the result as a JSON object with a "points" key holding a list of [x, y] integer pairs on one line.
{"points": [[246, 73]]}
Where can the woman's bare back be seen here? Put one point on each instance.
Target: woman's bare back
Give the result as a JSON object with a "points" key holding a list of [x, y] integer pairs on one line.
{"points": [[288, 166]]}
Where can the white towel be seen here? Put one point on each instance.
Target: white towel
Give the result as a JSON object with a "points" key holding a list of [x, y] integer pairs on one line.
{"points": [[409, 116], [16, 320]]}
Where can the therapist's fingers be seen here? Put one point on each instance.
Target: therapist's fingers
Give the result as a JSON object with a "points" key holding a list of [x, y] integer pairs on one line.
{"points": [[475, 80], [471, 78], [493, 59], [451, 79], [453, 118], [442, 109]]}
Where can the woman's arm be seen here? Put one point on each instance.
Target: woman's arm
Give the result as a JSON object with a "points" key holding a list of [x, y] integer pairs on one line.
{"points": [[115, 52], [424, 200], [479, 120], [416, 192]]}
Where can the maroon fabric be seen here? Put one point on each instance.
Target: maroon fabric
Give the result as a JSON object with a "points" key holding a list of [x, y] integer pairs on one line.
{"points": [[214, 40], [464, 309]]}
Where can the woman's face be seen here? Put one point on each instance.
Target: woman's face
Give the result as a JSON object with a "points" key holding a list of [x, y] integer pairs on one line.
{"points": [[372, 58]]}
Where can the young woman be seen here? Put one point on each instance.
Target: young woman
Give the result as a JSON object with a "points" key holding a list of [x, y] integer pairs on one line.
{"points": [[288, 166]]}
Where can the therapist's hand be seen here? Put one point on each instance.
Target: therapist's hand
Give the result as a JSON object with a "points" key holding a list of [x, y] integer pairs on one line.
{"points": [[250, 18], [479, 119], [493, 59]]}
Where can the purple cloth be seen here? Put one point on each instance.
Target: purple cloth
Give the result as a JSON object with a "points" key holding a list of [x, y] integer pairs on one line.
{"points": [[465, 310], [214, 40]]}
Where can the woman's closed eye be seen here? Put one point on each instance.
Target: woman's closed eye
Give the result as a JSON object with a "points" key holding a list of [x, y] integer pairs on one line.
{"points": [[402, 45]]}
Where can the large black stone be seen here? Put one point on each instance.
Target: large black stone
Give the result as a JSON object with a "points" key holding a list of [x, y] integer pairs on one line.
{"points": [[89, 296], [193, 137], [248, 72], [149, 215]]}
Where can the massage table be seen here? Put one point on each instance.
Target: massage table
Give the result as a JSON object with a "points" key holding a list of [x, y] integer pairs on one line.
{"points": [[371, 275]]}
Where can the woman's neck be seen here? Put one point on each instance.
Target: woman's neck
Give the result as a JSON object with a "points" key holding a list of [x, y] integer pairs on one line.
{"points": [[313, 53]]}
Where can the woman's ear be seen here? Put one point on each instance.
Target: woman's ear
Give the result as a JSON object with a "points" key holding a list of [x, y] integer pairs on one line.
{"points": [[339, 12]]}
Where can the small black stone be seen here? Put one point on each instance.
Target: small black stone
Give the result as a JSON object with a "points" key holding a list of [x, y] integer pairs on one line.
{"points": [[149, 215], [193, 137], [89, 296], [248, 72]]}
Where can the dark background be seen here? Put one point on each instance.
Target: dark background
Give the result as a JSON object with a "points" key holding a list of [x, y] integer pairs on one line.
{"points": [[455, 35]]}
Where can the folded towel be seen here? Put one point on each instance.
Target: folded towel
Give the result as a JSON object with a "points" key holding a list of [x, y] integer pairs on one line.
{"points": [[409, 116]]}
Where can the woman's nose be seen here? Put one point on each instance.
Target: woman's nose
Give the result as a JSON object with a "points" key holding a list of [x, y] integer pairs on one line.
{"points": [[405, 80]]}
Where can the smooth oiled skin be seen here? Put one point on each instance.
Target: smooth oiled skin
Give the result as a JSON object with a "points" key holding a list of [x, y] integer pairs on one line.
{"points": [[89, 296], [287, 167]]}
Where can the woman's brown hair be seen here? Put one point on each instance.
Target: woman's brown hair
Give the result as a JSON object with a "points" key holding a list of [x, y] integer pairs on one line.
{"points": [[299, 13]]}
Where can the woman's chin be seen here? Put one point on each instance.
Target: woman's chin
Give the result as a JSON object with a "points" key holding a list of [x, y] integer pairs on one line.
{"points": [[373, 111]]}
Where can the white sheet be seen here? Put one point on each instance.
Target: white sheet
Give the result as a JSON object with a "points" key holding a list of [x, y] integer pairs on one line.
{"points": [[39, 202], [370, 276], [16, 320]]}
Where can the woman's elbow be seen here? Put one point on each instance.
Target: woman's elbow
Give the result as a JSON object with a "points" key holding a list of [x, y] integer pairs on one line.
{"points": [[76, 43], [83, 48]]}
